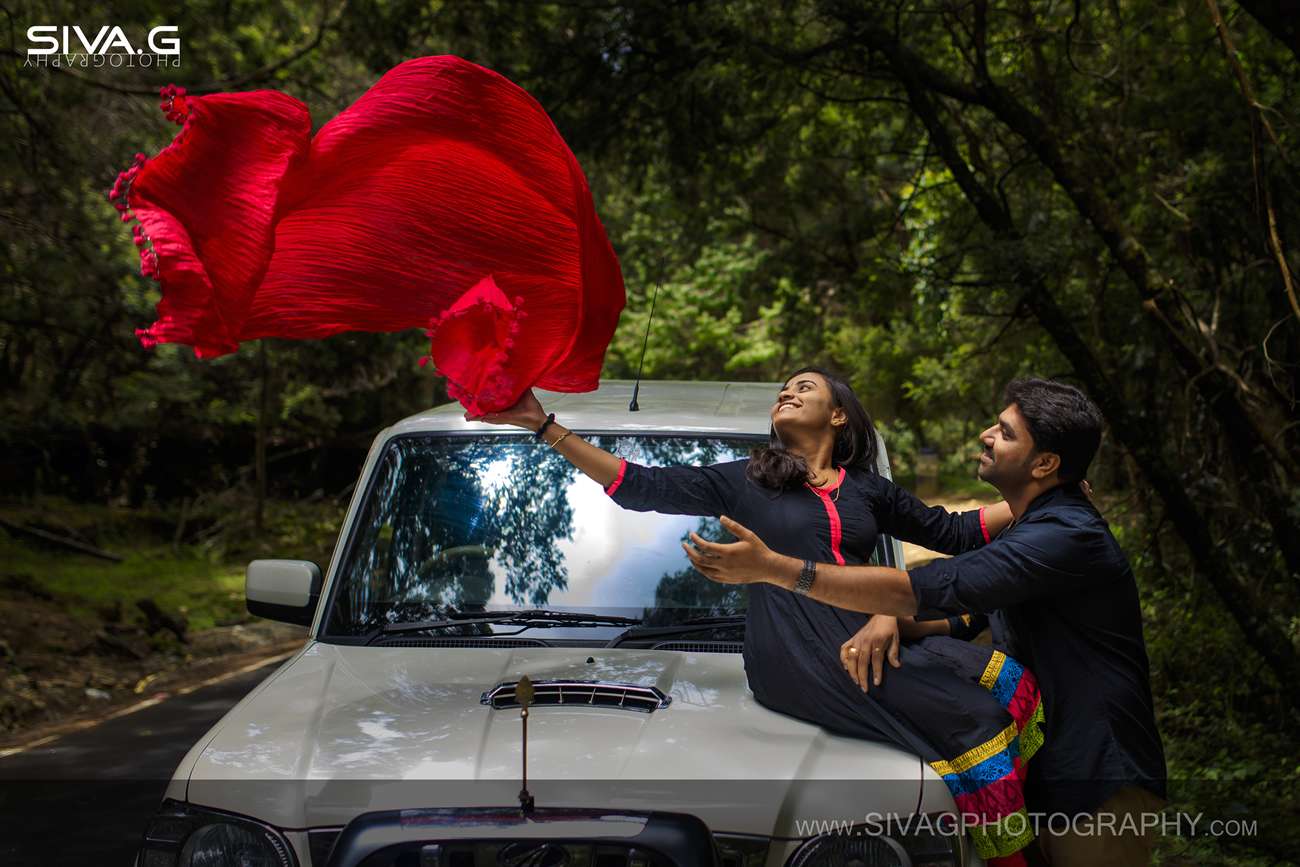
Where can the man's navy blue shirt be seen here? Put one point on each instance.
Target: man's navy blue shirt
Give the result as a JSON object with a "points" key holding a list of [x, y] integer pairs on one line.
{"points": [[1063, 601]]}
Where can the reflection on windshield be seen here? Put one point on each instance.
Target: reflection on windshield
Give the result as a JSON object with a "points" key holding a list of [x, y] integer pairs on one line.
{"points": [[463, 524]]}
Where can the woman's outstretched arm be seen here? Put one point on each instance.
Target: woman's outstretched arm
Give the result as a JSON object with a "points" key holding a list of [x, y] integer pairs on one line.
{"points": [[527, 413], [903, 515], [674, 490]]}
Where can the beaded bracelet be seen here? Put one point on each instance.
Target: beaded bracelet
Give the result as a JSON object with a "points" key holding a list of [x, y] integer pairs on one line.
{"points": [[550, 418]]}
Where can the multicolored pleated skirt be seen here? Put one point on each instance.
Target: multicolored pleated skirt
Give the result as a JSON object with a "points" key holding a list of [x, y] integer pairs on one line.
{"points": [[987, 781], [970, 711]]}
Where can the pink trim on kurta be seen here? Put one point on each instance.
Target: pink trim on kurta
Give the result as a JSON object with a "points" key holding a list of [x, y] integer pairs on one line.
{"points": [[984, 527], [618, 480], [832, 513]]}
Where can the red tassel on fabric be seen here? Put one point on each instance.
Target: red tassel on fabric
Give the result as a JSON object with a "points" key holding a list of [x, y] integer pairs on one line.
{"points": [[443, 198], [472, 344]]}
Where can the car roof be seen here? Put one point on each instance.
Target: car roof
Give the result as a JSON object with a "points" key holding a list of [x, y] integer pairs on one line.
{"points": [[668, 406]]}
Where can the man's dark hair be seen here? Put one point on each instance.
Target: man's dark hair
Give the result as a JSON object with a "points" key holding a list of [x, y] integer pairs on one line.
{"points": [[1061, 419]]}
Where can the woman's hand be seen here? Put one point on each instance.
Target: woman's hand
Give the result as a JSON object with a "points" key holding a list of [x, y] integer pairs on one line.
{"points": [[864, 654], [527, 413]]}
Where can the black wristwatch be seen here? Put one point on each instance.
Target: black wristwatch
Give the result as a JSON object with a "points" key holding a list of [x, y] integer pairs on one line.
{"points": [[807, 575]]}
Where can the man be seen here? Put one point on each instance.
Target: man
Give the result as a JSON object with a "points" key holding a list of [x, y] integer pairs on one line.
{"points": [[1063, 602]]}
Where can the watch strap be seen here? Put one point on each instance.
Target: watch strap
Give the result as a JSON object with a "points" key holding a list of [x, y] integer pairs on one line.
{"points": [[807, 575]]}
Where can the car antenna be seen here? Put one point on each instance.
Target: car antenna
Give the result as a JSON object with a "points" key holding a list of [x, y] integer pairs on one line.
{"points": [[636, 386]]}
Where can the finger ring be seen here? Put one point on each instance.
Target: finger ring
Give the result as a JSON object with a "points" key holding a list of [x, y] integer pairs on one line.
{"points": [[875, 650], [853, 650]]}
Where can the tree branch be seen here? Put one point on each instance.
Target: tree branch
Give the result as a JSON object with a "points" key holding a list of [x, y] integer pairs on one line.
{"points": [[1258, 121]]}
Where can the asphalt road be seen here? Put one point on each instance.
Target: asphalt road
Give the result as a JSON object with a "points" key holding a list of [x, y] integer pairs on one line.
{"points": [[85, 798]]}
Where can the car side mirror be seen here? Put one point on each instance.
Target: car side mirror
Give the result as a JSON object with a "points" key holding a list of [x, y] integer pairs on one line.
{"points": [[283, 590]]}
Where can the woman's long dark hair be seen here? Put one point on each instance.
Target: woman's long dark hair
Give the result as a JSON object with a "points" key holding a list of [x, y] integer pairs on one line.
{"points": [[855, 445]]}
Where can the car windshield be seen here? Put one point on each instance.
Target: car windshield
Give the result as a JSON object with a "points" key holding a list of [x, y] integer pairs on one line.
{"points": [[459, 526]]}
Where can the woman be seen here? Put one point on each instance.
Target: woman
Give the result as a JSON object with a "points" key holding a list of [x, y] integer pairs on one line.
{"points": [[814, 493]]}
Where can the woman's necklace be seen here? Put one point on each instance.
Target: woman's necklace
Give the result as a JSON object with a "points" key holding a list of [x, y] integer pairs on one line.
{"points": [[816, 483]]}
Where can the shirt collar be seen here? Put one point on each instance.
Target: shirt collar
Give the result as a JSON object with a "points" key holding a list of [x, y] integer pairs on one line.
{"points": [[1050, 497]]}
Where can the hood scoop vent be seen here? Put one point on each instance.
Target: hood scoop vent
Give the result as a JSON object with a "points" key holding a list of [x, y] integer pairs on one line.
{"points": [[581, 693]]}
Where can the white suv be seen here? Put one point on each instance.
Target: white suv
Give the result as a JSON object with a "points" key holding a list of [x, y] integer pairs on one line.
{"points": [[472, 556]]}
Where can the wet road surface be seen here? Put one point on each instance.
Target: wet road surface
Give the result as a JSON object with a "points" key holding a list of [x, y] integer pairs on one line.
{"points": [[85, 798]]}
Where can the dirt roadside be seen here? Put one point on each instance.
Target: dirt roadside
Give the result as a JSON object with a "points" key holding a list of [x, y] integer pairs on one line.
{"points": [[59, 672]]}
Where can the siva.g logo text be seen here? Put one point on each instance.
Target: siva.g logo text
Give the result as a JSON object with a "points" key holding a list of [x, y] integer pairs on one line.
{"points": [[54, 45]]}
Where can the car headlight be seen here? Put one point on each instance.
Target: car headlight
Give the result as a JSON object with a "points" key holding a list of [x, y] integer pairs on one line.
{"points": [[856, 848], [185, 836]]}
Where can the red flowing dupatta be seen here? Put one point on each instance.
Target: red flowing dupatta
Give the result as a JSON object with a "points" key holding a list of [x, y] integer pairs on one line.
{"points": [[444, 198]]}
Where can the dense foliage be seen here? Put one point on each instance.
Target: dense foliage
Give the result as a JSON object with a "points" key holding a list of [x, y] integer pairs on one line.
{"points": [[931, 197]]}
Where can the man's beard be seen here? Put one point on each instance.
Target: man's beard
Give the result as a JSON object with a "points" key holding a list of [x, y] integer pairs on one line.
{"points": [[1002, 474]]}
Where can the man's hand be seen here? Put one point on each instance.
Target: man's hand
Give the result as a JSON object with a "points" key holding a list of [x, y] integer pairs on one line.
{"points": [[855, 588], [865, 653], [745, 561]]}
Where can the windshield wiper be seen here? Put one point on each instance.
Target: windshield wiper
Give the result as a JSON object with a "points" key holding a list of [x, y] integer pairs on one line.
{"points": [[686, 627], [528, 618]]}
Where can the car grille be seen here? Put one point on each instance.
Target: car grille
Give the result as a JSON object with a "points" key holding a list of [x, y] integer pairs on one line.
{"points": [[320, 843], [518, 853], [509, 837], [624, 696]]}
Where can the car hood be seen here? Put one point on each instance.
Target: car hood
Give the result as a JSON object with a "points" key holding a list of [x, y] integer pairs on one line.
{"points": [[343, 730]]}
